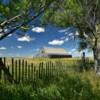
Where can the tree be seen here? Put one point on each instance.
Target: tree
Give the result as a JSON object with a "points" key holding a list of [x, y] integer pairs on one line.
{"points": [[17, 15], [84, 15]]}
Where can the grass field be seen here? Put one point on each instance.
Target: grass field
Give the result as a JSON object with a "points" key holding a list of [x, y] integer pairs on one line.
{"points": [[48, 85], [27, 68], [69, 86], [68, 61]]}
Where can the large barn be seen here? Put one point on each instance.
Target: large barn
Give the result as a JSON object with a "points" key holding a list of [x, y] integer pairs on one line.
{"points": [[54, 53]]}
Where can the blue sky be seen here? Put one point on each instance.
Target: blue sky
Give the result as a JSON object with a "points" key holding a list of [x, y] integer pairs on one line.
{"points": [[38, 37]]}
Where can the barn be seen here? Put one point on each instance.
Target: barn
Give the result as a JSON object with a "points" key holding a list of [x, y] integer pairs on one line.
{"points": [[53, 53]]}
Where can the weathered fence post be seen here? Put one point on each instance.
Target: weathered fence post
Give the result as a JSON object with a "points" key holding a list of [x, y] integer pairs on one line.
{"points": [[83, 62], [12, 61], [16, 74], [23, 70], [19, 71], [26, 73], [6, 71]]}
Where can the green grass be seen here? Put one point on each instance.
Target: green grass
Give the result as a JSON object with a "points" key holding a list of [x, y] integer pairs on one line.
{"points": [[49, 66], [36, 61], [69, 86]]}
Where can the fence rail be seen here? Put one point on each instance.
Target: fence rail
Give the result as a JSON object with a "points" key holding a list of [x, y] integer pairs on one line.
{"points": [[23, 71]]}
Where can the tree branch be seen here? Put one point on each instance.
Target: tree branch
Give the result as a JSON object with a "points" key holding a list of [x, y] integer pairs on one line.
{"points": [[25, 23], [22, 14], [12, 19]]}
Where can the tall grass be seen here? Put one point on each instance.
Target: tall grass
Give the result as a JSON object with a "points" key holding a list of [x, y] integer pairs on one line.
{"points": [[69, 86]]}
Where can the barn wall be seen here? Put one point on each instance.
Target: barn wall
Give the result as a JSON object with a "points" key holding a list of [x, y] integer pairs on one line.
{"points": [[60, 56]]}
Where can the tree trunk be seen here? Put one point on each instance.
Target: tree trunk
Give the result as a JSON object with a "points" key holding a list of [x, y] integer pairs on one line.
{"points": [[96, 52]]}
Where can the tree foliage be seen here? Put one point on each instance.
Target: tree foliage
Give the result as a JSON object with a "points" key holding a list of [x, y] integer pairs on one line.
{"points": [[17, 14], [83, 14]]}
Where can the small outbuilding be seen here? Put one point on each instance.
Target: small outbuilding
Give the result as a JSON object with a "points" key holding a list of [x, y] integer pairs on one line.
{"points": [[53, 53]]}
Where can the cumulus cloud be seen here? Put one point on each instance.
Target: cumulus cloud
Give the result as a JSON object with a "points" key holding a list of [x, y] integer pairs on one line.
{"points": [[38, 29], [71, 34], [5, 30], [63, 30], [56, 42], [19, 47], [73, 50], [3, 48], [77, 33], [66, 39], [25, 38], [9, 35]]}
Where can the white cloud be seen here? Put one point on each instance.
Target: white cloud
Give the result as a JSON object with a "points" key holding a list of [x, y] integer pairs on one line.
{"points": [[66, 33], [5, 30], [71, 34], [76, 54], [76, 33], [63, 30], [3, 48], [38, 29], [19, 47], [73, 50], [25, 38], [9, 35], [66, 39], [56, 42]]}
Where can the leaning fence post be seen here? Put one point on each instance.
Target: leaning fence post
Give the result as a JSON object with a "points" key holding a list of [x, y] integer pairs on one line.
{"points": [[6, 71]]}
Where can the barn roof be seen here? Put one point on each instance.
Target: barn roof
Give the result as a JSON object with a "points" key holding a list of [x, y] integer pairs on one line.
{"points": [[60, 51]]}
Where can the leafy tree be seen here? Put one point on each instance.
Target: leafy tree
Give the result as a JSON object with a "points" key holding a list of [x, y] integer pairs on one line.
{"points": [[17, 14], [84, 15]]}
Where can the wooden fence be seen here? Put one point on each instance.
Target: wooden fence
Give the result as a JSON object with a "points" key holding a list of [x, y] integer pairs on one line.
{"points": [[23, 71]]}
